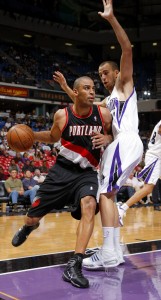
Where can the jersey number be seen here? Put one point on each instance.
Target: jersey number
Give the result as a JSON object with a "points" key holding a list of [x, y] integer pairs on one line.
{"points": [[153, 138]]}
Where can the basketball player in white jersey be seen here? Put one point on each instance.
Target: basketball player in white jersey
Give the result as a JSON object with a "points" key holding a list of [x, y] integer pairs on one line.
{"points": [[124, 153], [151, 171]]}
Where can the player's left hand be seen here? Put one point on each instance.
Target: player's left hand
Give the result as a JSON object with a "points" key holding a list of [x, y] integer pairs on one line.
{"points": [[100, 140]]}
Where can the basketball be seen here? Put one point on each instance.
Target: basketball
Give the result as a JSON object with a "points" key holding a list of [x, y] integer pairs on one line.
{"points": [[20, 137]]}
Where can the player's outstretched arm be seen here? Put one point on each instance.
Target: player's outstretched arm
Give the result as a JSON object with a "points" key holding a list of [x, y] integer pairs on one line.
{"points": [[54, 134], [126, 64], [44, 137], [59, 78]]}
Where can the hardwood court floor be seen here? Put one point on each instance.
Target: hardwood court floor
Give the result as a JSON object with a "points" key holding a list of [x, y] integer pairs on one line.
{"points": [[57, 232]]}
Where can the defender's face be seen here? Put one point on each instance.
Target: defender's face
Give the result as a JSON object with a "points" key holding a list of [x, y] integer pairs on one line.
{"points": [[108, 76], [85, 92]]}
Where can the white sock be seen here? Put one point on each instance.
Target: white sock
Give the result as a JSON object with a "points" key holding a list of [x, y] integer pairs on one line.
{"points": [[108, 238], [125, 207], [117, 238]]}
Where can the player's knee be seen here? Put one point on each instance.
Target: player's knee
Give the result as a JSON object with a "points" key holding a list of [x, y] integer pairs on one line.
{"points": [[31, 221], [88, 205]]}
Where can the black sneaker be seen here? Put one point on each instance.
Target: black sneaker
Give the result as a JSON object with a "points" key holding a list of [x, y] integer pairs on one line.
{"points": [[73, 273], [22, 234]]}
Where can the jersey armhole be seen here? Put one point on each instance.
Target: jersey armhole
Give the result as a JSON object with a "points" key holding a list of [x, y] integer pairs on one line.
{"points": [[100, 114], [66, 122]]}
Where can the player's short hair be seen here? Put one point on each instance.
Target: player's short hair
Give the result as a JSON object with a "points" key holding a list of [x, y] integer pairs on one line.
{"points": [[78, 81], [113, 64]]}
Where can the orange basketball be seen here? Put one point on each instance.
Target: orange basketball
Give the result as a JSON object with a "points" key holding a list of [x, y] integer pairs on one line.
{"points": [[20, 138]]}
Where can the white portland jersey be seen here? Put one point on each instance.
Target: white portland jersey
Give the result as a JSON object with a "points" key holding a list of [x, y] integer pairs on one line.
{"points": [[154, 146], [125, 114]]}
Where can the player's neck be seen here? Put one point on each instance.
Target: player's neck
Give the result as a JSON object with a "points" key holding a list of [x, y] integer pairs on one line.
{"points": [[81, 111]]}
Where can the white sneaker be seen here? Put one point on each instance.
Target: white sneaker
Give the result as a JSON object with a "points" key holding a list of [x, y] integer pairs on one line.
{"points": [[120, 256], [121, 214], [101, 260]]}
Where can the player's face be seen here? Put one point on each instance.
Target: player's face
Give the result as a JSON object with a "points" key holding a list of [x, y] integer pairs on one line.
{"points": [[108, 76], [85, 92]]}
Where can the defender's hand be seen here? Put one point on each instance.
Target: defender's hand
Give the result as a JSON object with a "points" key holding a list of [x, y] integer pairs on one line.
{"points": [[59, 78]]}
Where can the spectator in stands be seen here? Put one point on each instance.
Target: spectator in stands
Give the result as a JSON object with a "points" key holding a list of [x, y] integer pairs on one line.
{"points": [[13, 165], [11, 152], [4, 153], [26, 166], [38, 155], [2, 147], [30, 185], [46, 147], [2, 123], [4, 131], [44, 169], [14, 187], [18, 158], [31, 154], [8, 124], [2, 175], [32, 166], [38, 176], [25, 157], [54, 152]]}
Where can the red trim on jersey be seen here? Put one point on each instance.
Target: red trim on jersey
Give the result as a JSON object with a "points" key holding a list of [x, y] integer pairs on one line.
{"points": [[80, 150], [66, 113], [81, 117], [103, 123]]}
